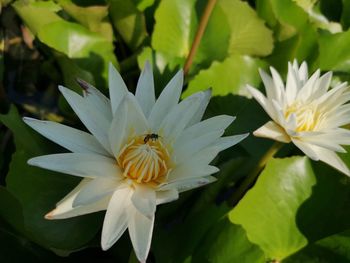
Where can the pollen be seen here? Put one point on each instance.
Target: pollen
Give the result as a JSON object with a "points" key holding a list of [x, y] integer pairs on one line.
{"points": [[145, 161], [308, 117]]}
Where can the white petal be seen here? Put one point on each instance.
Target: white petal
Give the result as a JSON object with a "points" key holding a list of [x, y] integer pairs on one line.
{"points": [[325, 141], [277, 80], [144, 199], [188, 183], [196, 166], [96, 99], [127, 122], [145, 89], [228, 141], [332, 159], [184, 151], [179, 117], [116, 218], [117, 87], [262, 100], [303, 73], [273, 131], [118, 130], [79, 164], [166, 101], [140, 231], [95, 121], [202, 107], [69, 138], [96, 190], [292, 85], [310, 86], [216, 123], [272, 91], [306, 148], [166, 196], [64, 208]]}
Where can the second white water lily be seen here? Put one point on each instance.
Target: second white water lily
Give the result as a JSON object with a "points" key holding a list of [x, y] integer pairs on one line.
{"points": [[307, 113], [141, 152]]}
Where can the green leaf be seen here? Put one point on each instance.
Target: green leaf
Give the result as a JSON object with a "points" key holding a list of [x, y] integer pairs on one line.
{"points": [[227, 77], [345, 16], [90, 50], [334, 51], [128, 21], [174, 28], [247, 29], [335, 248], [11, 210], [38, 190], [268, 211], [95, 18], [227, 242]]}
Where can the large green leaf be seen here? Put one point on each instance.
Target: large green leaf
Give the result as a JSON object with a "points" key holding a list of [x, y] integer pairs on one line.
{"points": [[248, 33], [95, 17], [38, 190], [228, 77], [128, 21], [90, 50], [227, 242], [174, 28], [334, 51], [268, 211], [335, 248]]}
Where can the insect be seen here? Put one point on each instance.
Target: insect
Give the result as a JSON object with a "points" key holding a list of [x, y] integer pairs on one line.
{"points": [[151, 136]]}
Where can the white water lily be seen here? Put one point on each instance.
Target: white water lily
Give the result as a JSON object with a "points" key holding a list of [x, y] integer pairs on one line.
{"points": [[141, 152], [306, 112]]}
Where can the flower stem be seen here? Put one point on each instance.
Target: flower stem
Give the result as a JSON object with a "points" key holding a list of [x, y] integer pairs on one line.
{"points": [[200, 31], [251, 177]]}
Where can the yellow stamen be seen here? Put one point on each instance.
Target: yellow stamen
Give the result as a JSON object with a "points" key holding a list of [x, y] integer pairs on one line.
{"points": [[308, 117], [145, 161]]}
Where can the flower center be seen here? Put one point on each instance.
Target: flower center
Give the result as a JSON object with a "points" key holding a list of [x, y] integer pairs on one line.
{"points": [[145, 159], [308, 117]]}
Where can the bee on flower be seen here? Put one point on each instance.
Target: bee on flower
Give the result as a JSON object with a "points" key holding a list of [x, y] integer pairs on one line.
{"points": [[306, 112], [140, 152]]}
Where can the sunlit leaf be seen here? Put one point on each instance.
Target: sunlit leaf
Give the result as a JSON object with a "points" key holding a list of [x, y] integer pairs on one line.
{"points": [[268, 211], [228, 77]]}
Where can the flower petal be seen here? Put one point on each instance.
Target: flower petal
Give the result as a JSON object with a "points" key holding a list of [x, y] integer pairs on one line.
{"points": [[95, 121], [144, 199], [78, 164], [64, 208], [95, 190], [69, 138], [332, 159], [226, 142], [306, 148], [167, 100], [96, 99], [117, 87], [202, 107], [140, 232], [216, 123], [129, 121], [167, 196], [116, 218], [188, 183], [184, 151], [145, 89], [273, 131], [175, 122]]}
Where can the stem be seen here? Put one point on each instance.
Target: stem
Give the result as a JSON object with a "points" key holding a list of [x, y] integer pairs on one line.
{"points": [[199, 34], [251, 177]]}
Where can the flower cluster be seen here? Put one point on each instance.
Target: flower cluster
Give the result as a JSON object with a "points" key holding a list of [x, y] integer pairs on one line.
{"points": [[142, 151]]}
